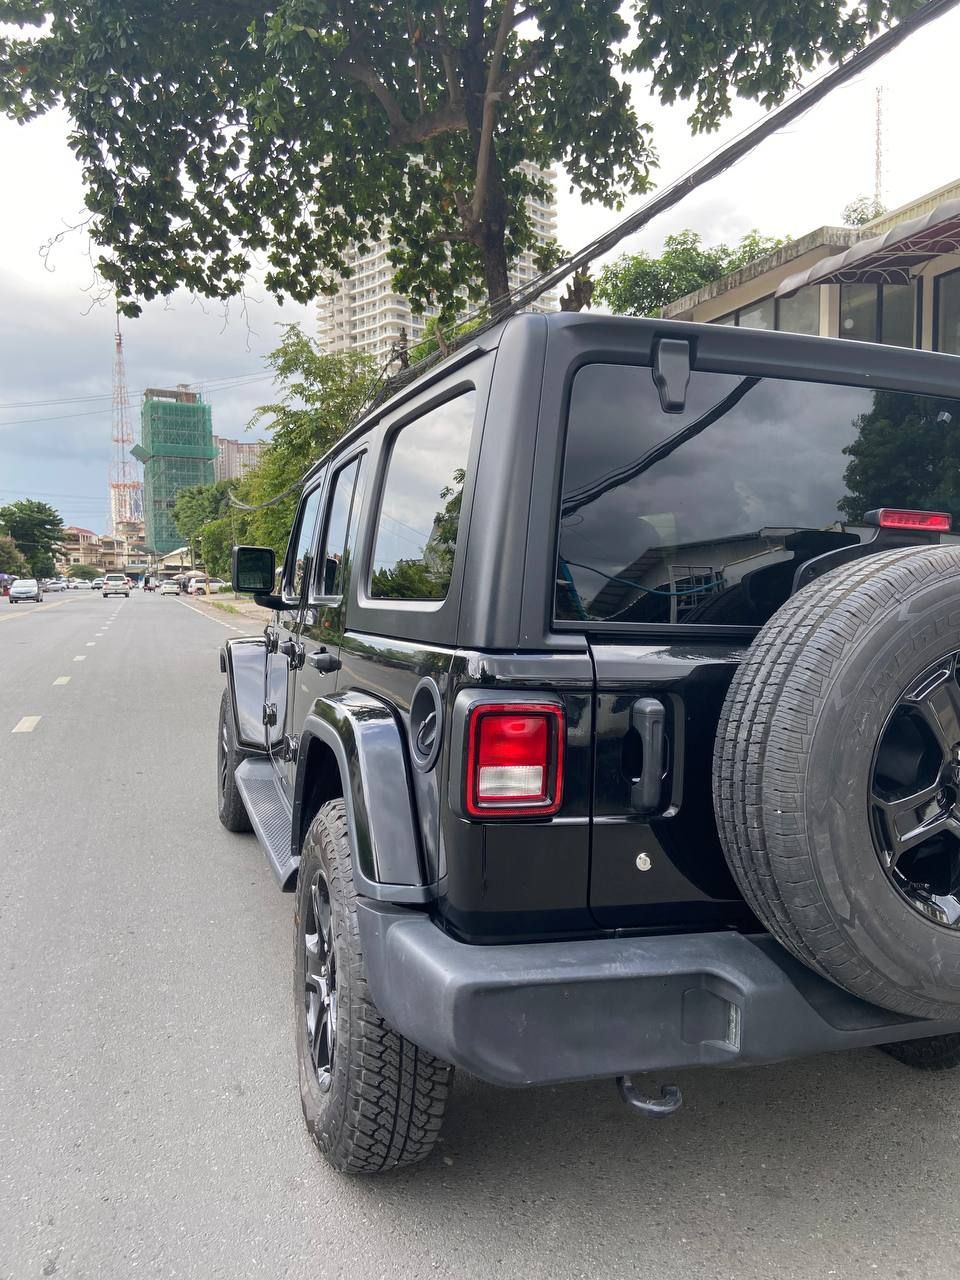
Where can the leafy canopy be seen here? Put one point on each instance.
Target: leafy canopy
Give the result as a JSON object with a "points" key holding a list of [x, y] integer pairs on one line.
{"points": [[640, 285], [216, 136], [37, 529], [84, 572], [12, 559], [195, 506]]}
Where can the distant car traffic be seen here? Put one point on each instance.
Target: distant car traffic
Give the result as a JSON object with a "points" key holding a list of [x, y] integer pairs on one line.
{"points": [[55, 584], [25, 589], [116, 584], [168, 589], [96, 584]]}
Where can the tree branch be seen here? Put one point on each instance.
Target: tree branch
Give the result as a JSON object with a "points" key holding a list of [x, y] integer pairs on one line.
{"points": [[403, 132], [490, 99]]}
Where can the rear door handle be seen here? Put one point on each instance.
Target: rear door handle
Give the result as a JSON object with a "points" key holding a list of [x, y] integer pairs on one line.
{"points": [[320, 660], [648, 718]]}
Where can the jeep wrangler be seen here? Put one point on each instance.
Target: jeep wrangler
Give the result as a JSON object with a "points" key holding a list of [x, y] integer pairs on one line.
{"points": [[609, 720]]}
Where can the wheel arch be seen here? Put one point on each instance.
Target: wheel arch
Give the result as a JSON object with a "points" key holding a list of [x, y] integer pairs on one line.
{"points": [[352, 747]]}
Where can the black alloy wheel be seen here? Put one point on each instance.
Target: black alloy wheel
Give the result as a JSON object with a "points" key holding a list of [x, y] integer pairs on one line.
{"points": [[915, 794], [320, 980]]}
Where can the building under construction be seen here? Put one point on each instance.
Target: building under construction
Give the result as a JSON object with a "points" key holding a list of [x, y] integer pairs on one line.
{"points": [[177, 450]]}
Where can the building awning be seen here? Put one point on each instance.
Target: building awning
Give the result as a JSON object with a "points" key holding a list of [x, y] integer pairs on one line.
{"points": [[886, 259]]}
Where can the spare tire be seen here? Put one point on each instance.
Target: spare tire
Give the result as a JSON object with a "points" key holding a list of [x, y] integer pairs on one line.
{"points": [[837, 778]]}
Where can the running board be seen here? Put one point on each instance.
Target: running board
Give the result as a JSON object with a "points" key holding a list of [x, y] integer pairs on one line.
{"points": [[269, 815]]}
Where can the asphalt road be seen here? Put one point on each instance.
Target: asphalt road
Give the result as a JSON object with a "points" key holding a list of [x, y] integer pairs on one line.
{"points": [[149, 1117]]}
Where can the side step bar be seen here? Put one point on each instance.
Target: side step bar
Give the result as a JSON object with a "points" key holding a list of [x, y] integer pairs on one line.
{"points": [[270, 816]]}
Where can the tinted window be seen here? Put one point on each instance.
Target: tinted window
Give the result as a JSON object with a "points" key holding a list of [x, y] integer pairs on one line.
{"points": [[704, 516], [332, 566], [420, 509], [304, 543]]}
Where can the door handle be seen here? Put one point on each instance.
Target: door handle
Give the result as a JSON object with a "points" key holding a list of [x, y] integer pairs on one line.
{"points": [[648, 718], [320, 660]]}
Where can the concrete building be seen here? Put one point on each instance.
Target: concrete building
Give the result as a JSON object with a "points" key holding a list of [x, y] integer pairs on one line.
{"points": [[895, 280], [235, 457], [177, 451], [367, 315], [80, 547]]}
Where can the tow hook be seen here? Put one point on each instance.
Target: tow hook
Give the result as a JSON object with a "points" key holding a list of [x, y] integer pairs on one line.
{"points": [[670, 1100]]}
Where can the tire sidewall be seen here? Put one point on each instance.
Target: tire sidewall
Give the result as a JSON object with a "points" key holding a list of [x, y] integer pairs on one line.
{"points": [[324, 1110], [892, 936]]}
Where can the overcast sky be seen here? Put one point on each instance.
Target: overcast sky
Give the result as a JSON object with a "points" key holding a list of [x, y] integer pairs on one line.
{"points": [[55, 345]]}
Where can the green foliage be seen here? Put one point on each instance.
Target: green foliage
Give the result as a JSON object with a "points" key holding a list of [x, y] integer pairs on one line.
{"points": [[429, 577], [217, 541], [449, 330], [12, 559], [640, 285], [84, 572], [861, 211], [906, 454], [212, 134], [37, 530], [195, 506]]}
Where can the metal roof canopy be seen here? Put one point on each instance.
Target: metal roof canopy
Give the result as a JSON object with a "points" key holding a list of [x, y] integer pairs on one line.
{"points": [[886, 259]]}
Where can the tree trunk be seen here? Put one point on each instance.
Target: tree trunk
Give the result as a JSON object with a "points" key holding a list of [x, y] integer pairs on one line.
{"points": [[489, 231]]}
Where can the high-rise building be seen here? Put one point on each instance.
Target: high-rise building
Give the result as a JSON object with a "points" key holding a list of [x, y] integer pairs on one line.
{"points": [[235, 457], [366, 314], [177, 450]]}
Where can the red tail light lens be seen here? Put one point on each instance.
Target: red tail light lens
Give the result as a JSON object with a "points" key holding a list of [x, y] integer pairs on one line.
{"points": [[924, 521], [515, 760]]}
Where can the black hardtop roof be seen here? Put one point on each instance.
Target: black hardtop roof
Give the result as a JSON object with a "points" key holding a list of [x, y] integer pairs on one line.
{"points": [[865, 362]]}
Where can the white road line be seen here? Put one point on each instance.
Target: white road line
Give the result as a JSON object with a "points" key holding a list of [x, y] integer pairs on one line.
{"points": [[26, 725], [81, 657], [62, 680], [91, 643], [228, 625]]}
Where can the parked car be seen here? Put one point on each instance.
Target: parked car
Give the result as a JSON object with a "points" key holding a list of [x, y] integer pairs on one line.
{"points": [[168, 589], [25, 589], [207, 586], [619, 735], [96, 584], [116, 584]]}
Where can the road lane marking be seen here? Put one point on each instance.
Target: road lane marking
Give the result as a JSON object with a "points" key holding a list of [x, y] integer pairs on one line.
{"points": [[26, 725], [27, 612], [81, 657], [91, 643], [203, 614], [62, 680]]}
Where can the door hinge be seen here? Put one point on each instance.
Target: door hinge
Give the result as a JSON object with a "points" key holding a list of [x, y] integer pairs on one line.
{"points": [[269, 713], [291, 747]]}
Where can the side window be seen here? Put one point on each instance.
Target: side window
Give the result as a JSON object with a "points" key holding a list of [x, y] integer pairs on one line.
{"points": [[305, 528], [332, 566], [420, 505]]}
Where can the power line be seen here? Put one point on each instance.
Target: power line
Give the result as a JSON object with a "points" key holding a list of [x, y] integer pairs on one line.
{"points": [[227, 385]]}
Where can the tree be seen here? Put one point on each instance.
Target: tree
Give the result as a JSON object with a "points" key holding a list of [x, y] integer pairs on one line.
{"points": [[216, 544], [211, 134], [906, 454], [37, 530], [12, 559], [862, 210], [84, 572], [195, 506], [320, 396], [640, 285]]}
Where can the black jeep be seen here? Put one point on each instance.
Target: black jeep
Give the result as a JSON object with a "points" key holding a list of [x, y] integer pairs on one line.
{"points": [[610, 720]]}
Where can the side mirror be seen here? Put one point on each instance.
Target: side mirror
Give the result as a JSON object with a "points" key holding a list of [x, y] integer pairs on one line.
{"points": [[253, 569]]}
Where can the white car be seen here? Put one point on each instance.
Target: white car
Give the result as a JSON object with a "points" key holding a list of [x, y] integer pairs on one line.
{"points": [[116, 584], [168, 589], [25, 589]]}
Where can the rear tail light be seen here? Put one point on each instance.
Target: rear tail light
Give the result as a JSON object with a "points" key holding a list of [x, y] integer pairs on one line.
{"points": [[896, 518], [515, 760]]}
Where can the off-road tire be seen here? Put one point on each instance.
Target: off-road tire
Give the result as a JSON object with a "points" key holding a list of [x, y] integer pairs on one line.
{"points": [[934, 1053], [792, 763], [386, 1097], [230, 807]]}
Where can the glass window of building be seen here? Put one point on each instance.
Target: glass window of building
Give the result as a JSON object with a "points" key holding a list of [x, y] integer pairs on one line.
{"points": [[897, 315], [948, 313], [759, 315], [858, 312], [801, 312]]}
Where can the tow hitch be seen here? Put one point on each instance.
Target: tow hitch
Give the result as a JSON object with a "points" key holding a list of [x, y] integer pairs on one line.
{"points": [[670, 1100]]}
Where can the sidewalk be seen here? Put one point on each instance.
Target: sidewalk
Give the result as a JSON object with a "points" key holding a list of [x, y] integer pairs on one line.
{"points": [[225, 603]]}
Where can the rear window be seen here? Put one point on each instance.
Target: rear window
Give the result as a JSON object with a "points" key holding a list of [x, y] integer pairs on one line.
{"points": [[704, 516]]}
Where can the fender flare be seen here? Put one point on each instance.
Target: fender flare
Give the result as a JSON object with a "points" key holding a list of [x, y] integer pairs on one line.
{"points": [[367, 742]]}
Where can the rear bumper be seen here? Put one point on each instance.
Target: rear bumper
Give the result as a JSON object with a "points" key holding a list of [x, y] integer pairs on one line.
{"points": [[547, 1012]]}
